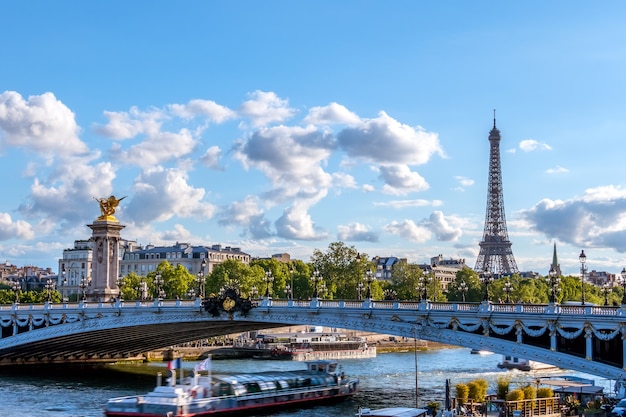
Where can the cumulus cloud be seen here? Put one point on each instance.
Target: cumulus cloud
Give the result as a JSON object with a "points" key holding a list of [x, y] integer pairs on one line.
{"points": [[356, 232], [264, 108], [400, 180], [529, 145], [331, 114], [156, 149], [407, 229], [160, 194], [205, 108], [296, 223], [595, 219], [41, 124], [385, 141], [464, 181], [246, 214], [211, 158], [18, 229], [557, 170], [442, 228]]}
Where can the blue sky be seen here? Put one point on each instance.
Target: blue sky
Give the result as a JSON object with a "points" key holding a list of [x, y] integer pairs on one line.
{"points": [[283, 126]]}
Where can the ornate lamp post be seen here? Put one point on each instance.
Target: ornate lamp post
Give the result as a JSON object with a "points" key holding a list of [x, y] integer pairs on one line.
{"points": [[201, 274], [359, 290], [583, 269], [623, 286], [606, 291], [369, 278], [84, 283], [487, 279], [316, 278], [291, 272], [508, 287], [463, 289], [322, 290], [422, 286], [16, 289], [288, 292], [554, 282], [158, 281], [63, 283], [191, 293], [269, 278], [254, 292], [49, 288], [120, 284]]}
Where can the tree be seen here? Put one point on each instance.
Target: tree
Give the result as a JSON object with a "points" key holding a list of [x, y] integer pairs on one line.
{"points": [[234, 273], [467, 278], [404, 280], [342, 268]]}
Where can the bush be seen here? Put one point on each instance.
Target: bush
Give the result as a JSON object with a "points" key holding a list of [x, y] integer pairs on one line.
{"points": [[478, 389], [530, 392], [503, 387], [462, 391], [545, 392], [515, 395]]}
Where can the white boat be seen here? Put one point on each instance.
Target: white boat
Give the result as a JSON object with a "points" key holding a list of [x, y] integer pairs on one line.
{"points": [[215, 395], [313, 344], [512, 362], [480, 352], [392, 412]]}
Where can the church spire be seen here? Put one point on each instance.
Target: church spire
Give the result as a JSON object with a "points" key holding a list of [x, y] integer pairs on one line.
{"points": [[555, 263]]}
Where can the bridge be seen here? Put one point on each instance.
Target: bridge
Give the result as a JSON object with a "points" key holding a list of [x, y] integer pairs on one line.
{"points": [[583, 338]]}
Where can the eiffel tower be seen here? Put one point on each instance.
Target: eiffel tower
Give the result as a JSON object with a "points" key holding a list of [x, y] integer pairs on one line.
{"points": [[495, 256]]}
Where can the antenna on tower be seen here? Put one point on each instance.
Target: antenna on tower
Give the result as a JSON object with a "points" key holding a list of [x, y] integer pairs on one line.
{"points": [[494, 118]]}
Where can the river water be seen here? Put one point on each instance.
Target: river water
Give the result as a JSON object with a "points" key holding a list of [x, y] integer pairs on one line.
{"points": [[385, 381]]}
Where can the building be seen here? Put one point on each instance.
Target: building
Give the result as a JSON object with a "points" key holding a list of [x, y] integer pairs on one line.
{"points": [[445, 270], [384, 266], [142, 260]]}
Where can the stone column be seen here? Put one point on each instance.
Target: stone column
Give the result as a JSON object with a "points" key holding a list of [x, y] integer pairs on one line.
{"points": [[105, 261]]}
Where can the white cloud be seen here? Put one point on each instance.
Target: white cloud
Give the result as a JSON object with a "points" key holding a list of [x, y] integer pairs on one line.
{"points": [[529, 145], [10, 229], [40, 124], [211, 158], [557, 170], [399, 204], [296, 223], [156, 149], [264, 108], [332, 114], [160, 194], [442, 228], [464, 181], [127, 125], [206, 108], [400, 180], [356, 232], [407, 229]]}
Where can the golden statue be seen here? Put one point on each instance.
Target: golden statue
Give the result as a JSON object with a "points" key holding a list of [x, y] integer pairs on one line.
{"points": [[107, 207]]}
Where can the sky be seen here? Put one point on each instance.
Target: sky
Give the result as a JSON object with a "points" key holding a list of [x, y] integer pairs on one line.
{"points": [[284, 126]]}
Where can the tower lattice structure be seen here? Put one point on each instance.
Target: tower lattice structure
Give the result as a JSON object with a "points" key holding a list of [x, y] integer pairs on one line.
{"points": [[495, 256]]}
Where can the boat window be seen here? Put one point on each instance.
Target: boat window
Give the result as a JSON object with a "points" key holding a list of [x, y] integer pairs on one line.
{"points": [[332, 367], [313, 367], [252, 387]]}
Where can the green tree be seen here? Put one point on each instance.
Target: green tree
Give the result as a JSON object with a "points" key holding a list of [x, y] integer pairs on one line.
{"points": [[469, 278], [342, 268], [234, 273]]}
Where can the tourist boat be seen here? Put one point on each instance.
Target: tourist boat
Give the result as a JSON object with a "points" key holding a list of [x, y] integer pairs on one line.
{"points": [[392, 412], [512, 362], [313, 344], [217, 395]]}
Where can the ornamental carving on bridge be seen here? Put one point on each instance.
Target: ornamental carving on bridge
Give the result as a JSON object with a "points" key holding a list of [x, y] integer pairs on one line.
{"points": [[229, 301]]}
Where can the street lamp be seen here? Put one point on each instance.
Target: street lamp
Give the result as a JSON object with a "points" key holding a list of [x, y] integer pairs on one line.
{"points": [[422, 285], [49, 287], [191, 293], [508, 287], [487, 279], [291, 272], [254, 292], [199, 281], [369, 278], [583, 270], [288, 293], [158, 281], [63, 283], [323, 290], [359, 290], [624, 286], [316, 278], [269, 278], [16, 289], [463, 289], [553, 281], [120, 284], [84, 283], [606, 291], [201, 275]]}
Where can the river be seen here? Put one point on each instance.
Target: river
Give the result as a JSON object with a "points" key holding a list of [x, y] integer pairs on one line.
{"points": [[387, 380]]}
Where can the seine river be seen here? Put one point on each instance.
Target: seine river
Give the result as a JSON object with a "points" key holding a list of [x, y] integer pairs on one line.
{"points": [[387, 380]]}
